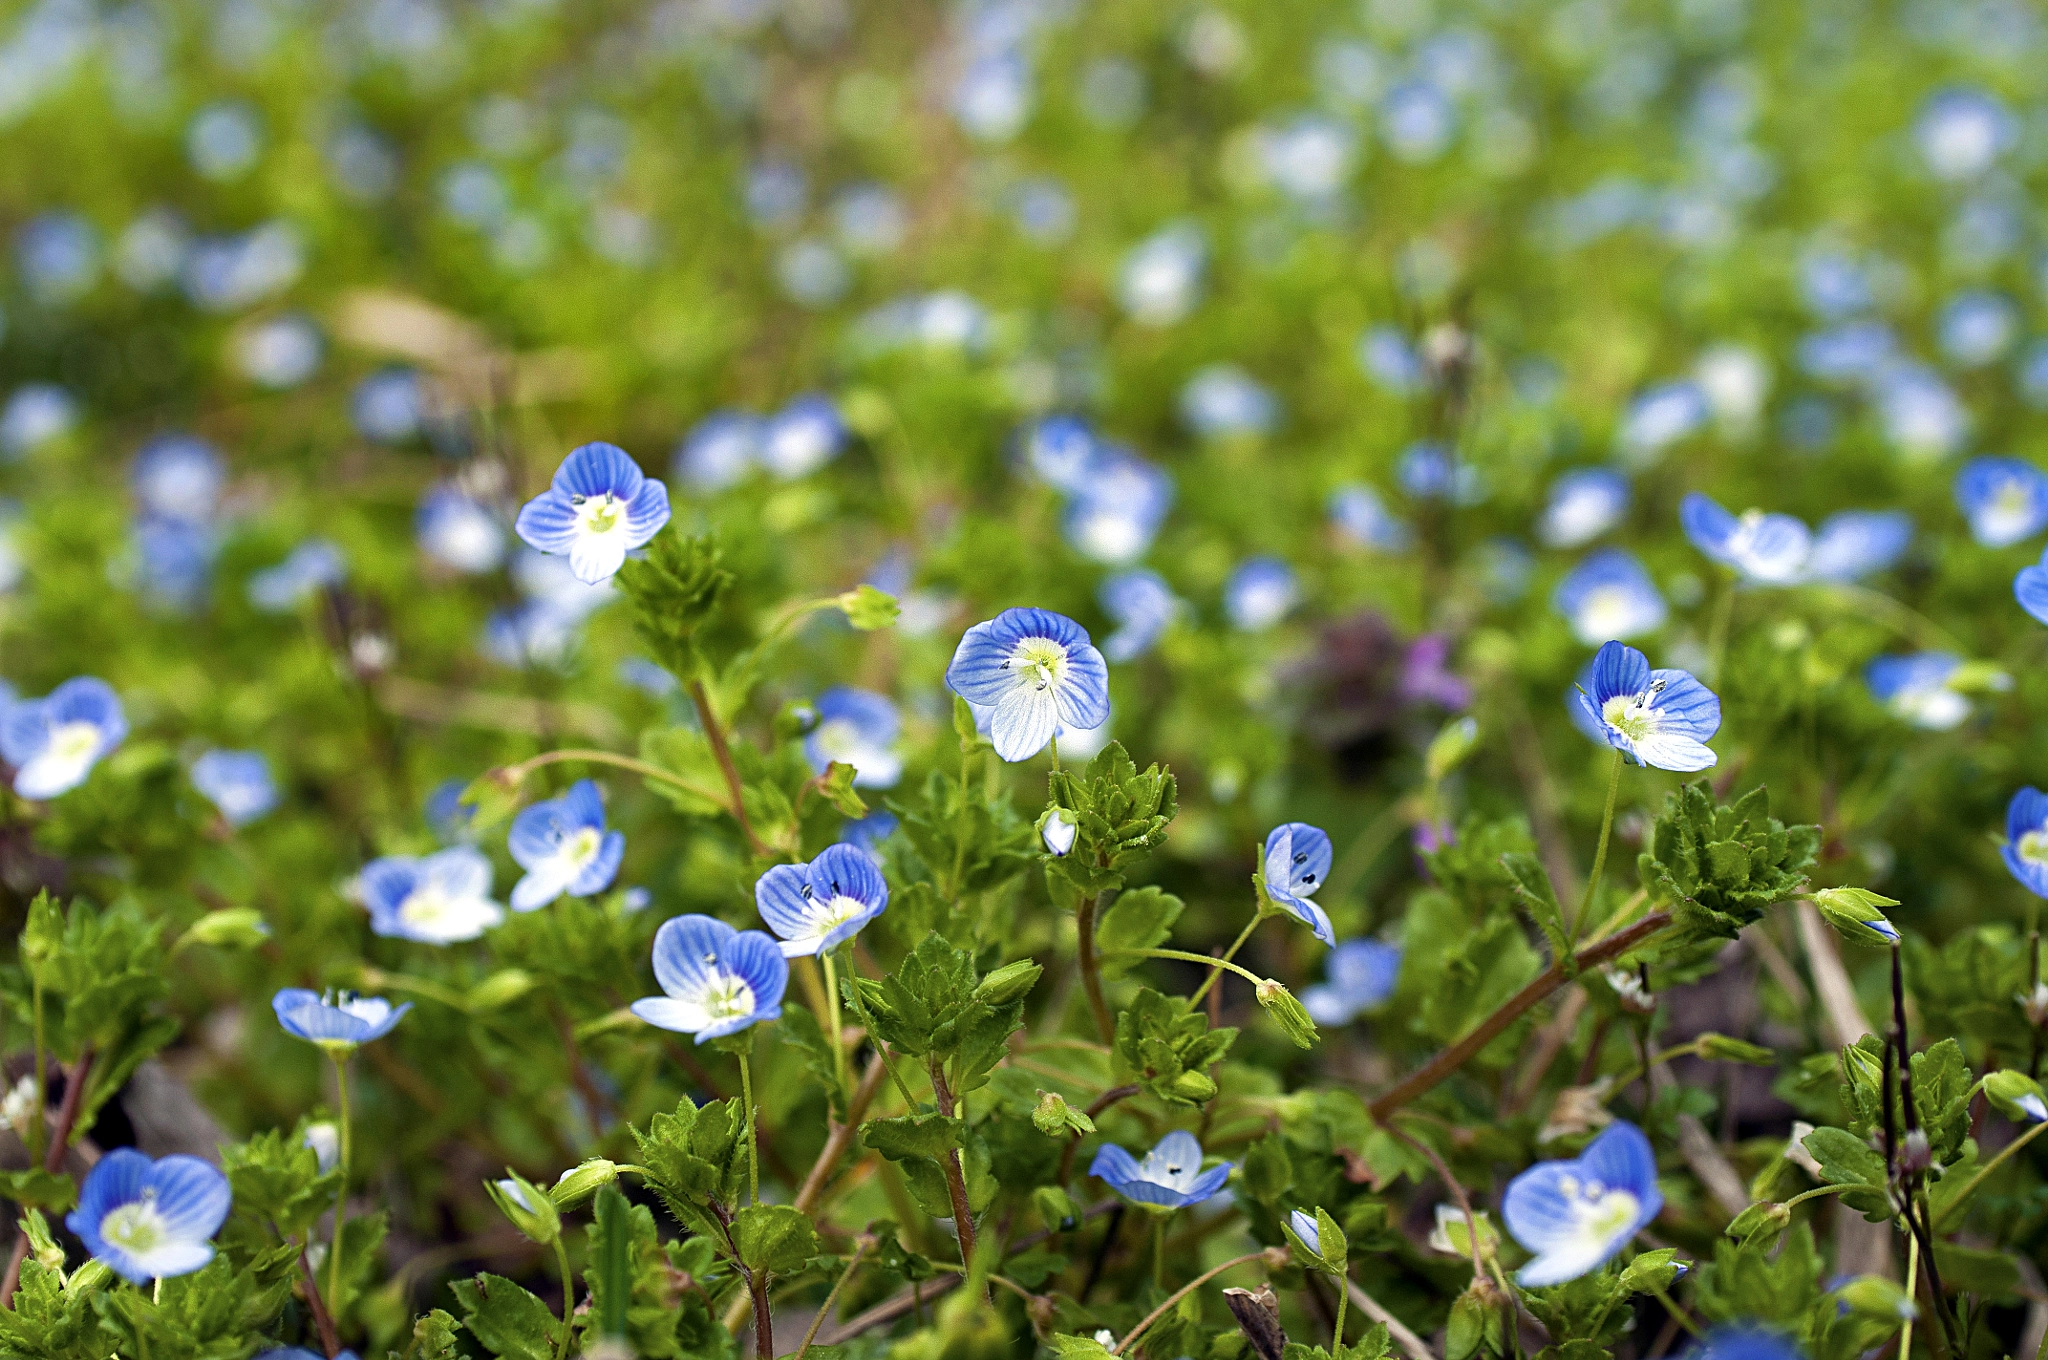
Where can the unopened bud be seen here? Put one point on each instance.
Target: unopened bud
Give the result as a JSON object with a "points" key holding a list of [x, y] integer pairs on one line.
{"points": [[1450, 746], [2035, 1004], [579, 1183], [1856, 915], [1760, 1224], [1010, 983], [1057, 829], [229, 928], [1875, 1296], [501, 988], [1056, 1119], [1292, 1017], [1721, 1048], [1195, 1088], [532, 1212], [2017, 1096], [1629, 990], [1915, 1153]]}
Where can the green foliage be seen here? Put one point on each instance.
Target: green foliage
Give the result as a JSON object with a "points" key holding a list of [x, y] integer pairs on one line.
{"points": [[1720, 866], [675, 590], [1166, 1048], [506, 1320], [1121, 814], [696, 1159]]}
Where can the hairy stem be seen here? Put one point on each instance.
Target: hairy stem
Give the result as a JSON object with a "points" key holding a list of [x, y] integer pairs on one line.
{"points": [[764, 1320], [956, 1177], [568, 1297], [323, 1322], [1578, 921], [1224, 961], [753, 1146], [860, 1250], [593, 756], [341, 1192], [722, 753], [1091, 975], [837, 1030]]}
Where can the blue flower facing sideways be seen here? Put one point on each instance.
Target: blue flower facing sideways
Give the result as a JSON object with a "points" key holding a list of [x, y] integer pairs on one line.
{"points": [[856, 727], [600, 507], [1746, 1341], [54, 742], [1576, 1214], [2030, 588], [1662, 718], [814, 908], [1765, 549], [1361, 975], [1037, 670], [1170, 1176], [236, 782], [718, 980], [335, 1020], [150, 1220], [441, 899], [2004, 499], [1297, 860], [564, 848], [2026, 840]]}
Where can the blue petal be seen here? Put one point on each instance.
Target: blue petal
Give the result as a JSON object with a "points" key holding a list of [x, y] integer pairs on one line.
{"points": [[1083, 691], [1114, 1166], [583, 805], [1178, 1148], [548, 522], [387, 882], [1618, 669], [1707, 525], [977, 673], [1536, 1209], [779, 897], [603, 867], [2030, 588], [843, 869], [1014, 625], [1621, 1158], [1023, 722], [755, 956], [192, 1196], [1690, 708], [681, 948], [1208, 1183], [646, 513], [2028, 811], [599, 469]]}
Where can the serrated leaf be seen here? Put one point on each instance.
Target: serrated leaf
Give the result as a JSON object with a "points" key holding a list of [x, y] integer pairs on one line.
{"points": [[1139, 919], [836, 785], [776, 1238], [507, 1320]]}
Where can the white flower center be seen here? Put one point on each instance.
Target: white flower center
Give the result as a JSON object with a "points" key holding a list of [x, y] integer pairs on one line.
{"points": [[1631, 715], [430, 908], [73, 743], [137, 1227], [1604, 1211], [1038, 662], [1608, 610], [600, 514], [2033, 846], [582, 847], [840, 740], [726, 997]]}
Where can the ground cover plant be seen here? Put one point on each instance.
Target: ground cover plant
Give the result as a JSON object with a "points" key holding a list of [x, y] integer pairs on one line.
{"points": [[1011, 679]]}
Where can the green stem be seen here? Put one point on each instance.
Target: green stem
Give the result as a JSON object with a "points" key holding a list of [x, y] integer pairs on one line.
{"points": [[1186, 957], [36, 1131], [593, 756], [568, 1297], [341, 1193], [1157, 1313], [1337, 1332], [1970, 1186], [1600, 855], [753, 1148], [1224, 962], [1159, 1251], [1679, 1315], [1817, 1192], [832, 1007], [1717, 633], [860, 1008]]}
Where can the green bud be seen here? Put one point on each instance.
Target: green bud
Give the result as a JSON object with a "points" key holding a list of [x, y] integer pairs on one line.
{"points": [[1876, 1297], [1651, 1271], [1720, 1048], [495, 796], [228, 928], [41, 1245], [2017, 1096], [1056, 1119], [1450, 746], [1978, 677], [579, 1183], [1010, 983], [867, 608], [1453, 1232], [1193, 1087], [1862, 1069], [1055, 1207], [530, 1210], [1760, 1224], [1288, 1013], [89, 1278], [1856, 916], [501, 988]]}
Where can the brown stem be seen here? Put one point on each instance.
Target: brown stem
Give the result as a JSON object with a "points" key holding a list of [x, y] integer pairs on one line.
{"points": [[75, 1082], [764, 1321], [1091, 977], [956, 1177], [1491, 1028], [721, 752], [1095, 1107], [322, 1321]]}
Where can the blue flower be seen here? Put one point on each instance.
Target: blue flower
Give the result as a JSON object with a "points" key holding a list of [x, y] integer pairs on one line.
{"points": [[1662, 718], [1297, 861], [1854, 352], [1962, 131], [718, 451], [1037, 670], [801, 438], [1170, 1177], [1575, 1215], [443, 898], [1062, 452], [856, 727], [1747, 1341], [2030, 588], [564, 848], [237, 782], [718, 980], [650, 679], [599, 508], [335, 1020], [447, 814], [1142, 605], [2005, 499], [1223, 400], [1161, 279], [1362, 517], [1660, 417], [1390, 361], [1917, 689], [1584, 504], [1260, 593], [867, 834], [313, 565], [1857, 543], [458, 531], [173, 562], [178, 477], [1977, 327], [1361, 976], [386, 406], [1922, 416], [814, 908], [2026, 839], [1609, 595], [54, 742], [150, 1220], [36, 414], [1117, 512], [1766, 549]]}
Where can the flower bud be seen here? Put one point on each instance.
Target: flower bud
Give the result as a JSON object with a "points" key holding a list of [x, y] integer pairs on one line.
{"points": [[1875, 1296], [1760, 1224], [229, 928], [501, 988], [1193, 1087], [579, 1183], [1057, 828], [1450, 746], [1010, 983], [1055, 1207], [89, 1278], [1855, 915], [2035, 1004], [531, 1211], [1288, 1013], [1916, 1154], [1720, 1048], [2017, 1096], [1056, 1119], [1452, 1234]]}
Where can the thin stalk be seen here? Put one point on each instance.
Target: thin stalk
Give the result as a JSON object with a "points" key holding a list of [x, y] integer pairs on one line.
{"points": [[1224, 962], [1337, 1332], [593, 756], [1820, 1190], [956, 1178], [753, 1147], [1599, 856], [1970, 1186], [1186, 956], [1159, 1251], [832, 1009], [37, 1133], [1157, 1313], [860, 1250], [1091, 975], [568, 1297], [764, 1318], [1678, 1314], [322, 1323], [860, 1008], [1717, 634], [722, 753], [341, 1192], [1912, 1286]]}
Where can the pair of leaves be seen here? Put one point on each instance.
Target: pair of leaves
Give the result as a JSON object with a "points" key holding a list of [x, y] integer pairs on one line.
{"points": [[1166, 1048], [1721, 866], [696, 1157]]}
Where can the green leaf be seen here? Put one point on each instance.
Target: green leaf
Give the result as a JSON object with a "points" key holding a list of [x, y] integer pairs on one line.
{"points": [[228, 928], [776, 1238], [1139, 919], [1942, 1085], [675, 589], [914, 1135], [36, 1188], [492, 797], [1990, 1275], [1846, 1159], [506, 1319], [275, 1177], [1532, 885], [1121, 814], [801, 1028], [686, 752], [1268, 1172], [1721, 866], [1167, 1048], [836, 784], [434, 1337]]}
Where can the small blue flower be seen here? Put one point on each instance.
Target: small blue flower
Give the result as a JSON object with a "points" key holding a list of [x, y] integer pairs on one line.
{"points": [[1391, 362], [178, 477], [867, 834], [443, 898], [856, 727], [1432, 472], [1058, 829], [447, 814], [1853, 544], [173, 562], [1764, 549], [150, 1220], [1917, 689], [564, 848], [2026, 839], [1661, 718], [1117, 512], [1962, 131], [1223, 400], [801, 438], [1062, 452], [1361, 975], [458, 531], [1609, 595], [718, 980], [386, 406], [1575, 1215], [2005, 499], [1260, 593], [2030, 588], [1036, 670], [1584, 504], [34, 415], [1747, 1341], [1977, 327], [1308, 158], [1660, 417], [1161, 279], [718, 451], [1307, 1229], [1142, 605], [54, 742], [1362, 517], [1922, 416], [600, 507], [992, 99], [814, 908], [313, 565], [335, 1020], [1854, 352], [237, 782], [1297, 861], [1170, 1177]]}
